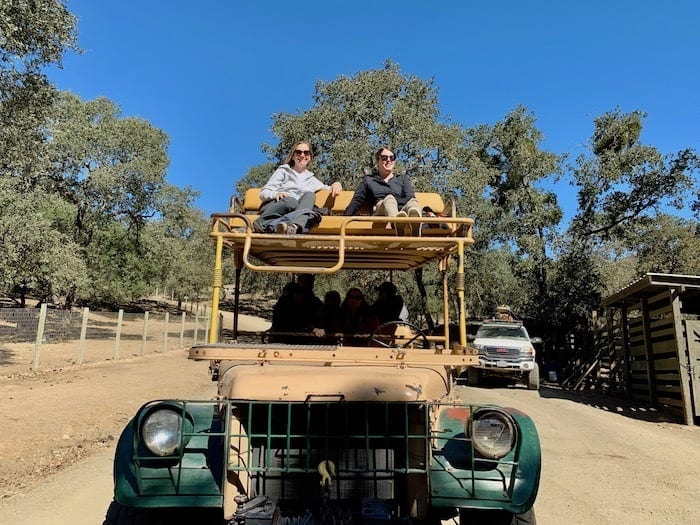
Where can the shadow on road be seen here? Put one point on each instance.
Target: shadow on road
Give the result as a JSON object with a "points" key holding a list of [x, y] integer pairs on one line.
{"points": [[623, 407], [615, 405]]}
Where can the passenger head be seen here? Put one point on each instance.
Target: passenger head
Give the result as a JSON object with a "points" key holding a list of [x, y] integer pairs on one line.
{"points": [[306, 281], [332, 299], [387, 289], [293, 290], [385, 160], [354, 299], [301, 152]]}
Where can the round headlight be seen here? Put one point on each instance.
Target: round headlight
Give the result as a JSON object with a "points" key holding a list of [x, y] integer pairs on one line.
{"points": [[493, 433], [162, 432]]}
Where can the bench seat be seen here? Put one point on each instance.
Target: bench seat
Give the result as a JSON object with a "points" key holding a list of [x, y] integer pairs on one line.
{"points": [[331, 224]]}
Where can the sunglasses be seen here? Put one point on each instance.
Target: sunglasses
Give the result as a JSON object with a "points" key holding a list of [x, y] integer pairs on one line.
{"points": [[387, 158], [302, 152]]}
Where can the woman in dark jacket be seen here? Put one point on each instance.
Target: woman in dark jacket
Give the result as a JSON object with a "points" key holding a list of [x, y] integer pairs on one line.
{"points": [[389, 194]]}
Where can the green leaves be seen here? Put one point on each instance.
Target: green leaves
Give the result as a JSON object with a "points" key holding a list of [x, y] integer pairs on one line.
{"points": [[624, 181], [353, 116], [35, 33], [36, 251]]}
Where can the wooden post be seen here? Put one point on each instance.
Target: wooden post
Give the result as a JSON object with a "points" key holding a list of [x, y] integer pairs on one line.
{"points": [[144, 336], [684, 368], [612, 354], [119, 333], [626, 357], [206, 325], [196, 325], [83, 332], [182, 330], [597, 350], [39, 337], [165, 332], [649, 352]]}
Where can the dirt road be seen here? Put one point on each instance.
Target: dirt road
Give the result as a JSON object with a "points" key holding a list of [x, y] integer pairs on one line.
{"points": [[603, 463]]}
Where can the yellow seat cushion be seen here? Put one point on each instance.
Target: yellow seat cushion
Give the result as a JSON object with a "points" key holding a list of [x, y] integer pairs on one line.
{"points": [[330, 224]]}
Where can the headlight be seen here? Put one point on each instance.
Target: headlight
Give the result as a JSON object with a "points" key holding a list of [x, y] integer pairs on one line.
{"points": [[161, 432], [493, 433]]}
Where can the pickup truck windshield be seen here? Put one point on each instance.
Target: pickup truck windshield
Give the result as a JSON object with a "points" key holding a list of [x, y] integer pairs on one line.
{"points": [[508, 332]]}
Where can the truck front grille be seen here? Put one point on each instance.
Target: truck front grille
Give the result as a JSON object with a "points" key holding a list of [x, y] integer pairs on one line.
{"points": [[366, 445], [501, 352]]}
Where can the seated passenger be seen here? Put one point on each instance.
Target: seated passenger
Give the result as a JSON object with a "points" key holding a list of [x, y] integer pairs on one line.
{"points": [[386, 191], [311, 303], [389, 305], [328, 320], [291, 188], [358, 321], [290, 320]]}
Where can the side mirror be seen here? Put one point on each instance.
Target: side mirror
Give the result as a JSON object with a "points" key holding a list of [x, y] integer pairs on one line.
{"points": [[536, 340], [471, 337]]}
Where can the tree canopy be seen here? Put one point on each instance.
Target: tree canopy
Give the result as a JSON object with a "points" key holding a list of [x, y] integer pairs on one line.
{"points": [[501, 175], [89, 216], [87, 212]]}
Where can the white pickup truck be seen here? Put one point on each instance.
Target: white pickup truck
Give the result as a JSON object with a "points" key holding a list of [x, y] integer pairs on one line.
{"points": [[505, 350]]}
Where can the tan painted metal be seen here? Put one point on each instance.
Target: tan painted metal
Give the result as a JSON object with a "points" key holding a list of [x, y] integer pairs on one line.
{"points": [[275, 382], [216, 294], [334, 356], [277, 372]]}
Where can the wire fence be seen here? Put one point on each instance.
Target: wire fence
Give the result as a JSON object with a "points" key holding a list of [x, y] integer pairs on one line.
{"points": [[41, 337]]}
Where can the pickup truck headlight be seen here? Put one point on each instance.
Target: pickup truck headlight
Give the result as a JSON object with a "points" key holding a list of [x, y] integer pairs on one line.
{"points": [[493, 433], [161, 431]]}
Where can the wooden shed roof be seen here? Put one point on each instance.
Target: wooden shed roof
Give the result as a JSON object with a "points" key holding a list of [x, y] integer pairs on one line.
{"points": [[653, 283]]}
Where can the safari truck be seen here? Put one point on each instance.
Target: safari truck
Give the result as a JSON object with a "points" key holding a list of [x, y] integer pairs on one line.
{"points": [[318, 433]]}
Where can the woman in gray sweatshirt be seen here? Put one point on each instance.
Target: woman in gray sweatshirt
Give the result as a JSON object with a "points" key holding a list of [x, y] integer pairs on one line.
{"points": [[292, 187]]}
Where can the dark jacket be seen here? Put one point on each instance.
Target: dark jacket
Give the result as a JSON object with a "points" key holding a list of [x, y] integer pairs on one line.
{"points": [[373, 188]]}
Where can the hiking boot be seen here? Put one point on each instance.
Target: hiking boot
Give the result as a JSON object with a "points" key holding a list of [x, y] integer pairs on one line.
{"points": [[282, 228], [414, 227], [401, 227]]}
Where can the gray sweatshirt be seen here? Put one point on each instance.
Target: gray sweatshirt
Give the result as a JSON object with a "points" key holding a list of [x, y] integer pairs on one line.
{"points": [[286, 180]]}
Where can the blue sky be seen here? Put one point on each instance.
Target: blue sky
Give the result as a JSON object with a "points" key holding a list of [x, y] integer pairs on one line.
{"points": [[212, 73]]}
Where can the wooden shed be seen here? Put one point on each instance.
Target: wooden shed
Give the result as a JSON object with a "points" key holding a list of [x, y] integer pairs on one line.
{"points": [[653, 328]]}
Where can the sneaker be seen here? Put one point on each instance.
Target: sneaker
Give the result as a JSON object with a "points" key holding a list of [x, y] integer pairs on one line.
{"points": [[292, 229], [282, 228]]}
